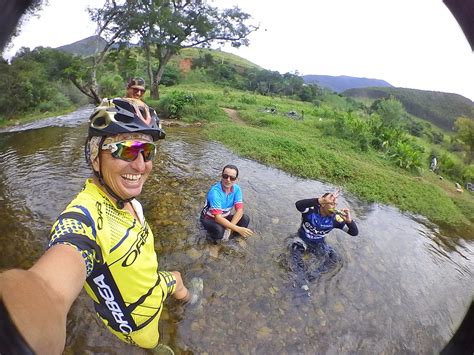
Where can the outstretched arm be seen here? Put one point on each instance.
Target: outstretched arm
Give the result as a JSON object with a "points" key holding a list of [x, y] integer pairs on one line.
{"points": [[302, 205], [39, 299]]}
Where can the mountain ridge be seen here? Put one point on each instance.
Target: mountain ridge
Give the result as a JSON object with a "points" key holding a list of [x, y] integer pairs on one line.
{"points": [[440, 108], [84, 47], [343, 82]]}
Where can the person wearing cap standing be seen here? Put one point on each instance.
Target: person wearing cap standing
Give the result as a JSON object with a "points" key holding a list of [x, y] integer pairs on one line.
{"points": [[100, 241], [134, 95], [135, 89]]}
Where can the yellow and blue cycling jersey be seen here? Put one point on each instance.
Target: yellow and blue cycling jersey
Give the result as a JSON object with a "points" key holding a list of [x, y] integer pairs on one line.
{"points": [[121, 263]]}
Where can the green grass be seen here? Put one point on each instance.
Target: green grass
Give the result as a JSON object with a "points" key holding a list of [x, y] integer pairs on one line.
{"points": [[219, 56], [302, 148]]}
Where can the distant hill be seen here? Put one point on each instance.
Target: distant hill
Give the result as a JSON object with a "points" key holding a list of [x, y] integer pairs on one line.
{"points": [[85, 47], [439, 108], [342, 83]]}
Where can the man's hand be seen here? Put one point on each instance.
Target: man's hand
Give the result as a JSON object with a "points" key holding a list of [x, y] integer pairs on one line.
{"points": [[346, 215], [329, 199], [244, 232]]}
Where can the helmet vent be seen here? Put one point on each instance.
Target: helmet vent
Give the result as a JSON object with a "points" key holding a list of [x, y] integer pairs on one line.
{"points": [[99, 122]]}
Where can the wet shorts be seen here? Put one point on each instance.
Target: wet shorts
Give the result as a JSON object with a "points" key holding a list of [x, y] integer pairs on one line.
{"points": [[148, 336]]}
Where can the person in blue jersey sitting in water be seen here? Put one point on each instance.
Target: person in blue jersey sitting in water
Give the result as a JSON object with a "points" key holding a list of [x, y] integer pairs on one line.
{"points": [[224, 196], [318, 217]]}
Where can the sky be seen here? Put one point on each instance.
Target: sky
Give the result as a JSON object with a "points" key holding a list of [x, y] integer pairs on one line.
{"points": [[408, 43]]}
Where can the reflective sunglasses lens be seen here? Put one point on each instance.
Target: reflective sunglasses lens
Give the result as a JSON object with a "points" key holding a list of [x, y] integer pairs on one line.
{"points": [[138, 91], [225, 177], [129, 151]]}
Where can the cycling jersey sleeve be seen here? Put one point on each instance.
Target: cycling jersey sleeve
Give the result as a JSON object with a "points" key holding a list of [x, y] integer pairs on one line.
{"points": [[77, 230], [340, 224], [238, 198], [215, 203], [305, 205]]}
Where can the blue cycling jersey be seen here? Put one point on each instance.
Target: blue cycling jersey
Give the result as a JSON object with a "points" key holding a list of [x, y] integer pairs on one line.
{"points": [[314, 227], [220, 202]]}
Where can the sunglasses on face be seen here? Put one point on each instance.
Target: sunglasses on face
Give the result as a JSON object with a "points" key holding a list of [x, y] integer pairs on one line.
{"points": [[138, 91], [232, 178], [129, 150]]}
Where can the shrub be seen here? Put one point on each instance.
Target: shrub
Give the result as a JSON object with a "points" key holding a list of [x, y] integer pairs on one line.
{"points": [[58, 101], [171, 75], [248, 99], [407, 155], [468, 174], [111, 85], [353, 128], [172, 105], [450, 167]]}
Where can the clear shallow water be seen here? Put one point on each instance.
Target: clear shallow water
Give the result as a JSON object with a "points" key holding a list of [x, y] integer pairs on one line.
{"points": [[402, 287]]}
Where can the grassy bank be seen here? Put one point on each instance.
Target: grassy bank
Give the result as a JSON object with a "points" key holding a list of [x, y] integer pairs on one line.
{"points": [[303, 147]]}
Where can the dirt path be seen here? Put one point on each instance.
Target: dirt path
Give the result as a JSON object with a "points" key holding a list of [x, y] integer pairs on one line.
{"points": [[233, 115]]}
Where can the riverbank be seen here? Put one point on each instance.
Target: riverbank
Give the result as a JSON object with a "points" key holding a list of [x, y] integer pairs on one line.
{"points": [[35, 116], [371, 180], [303, 147]]}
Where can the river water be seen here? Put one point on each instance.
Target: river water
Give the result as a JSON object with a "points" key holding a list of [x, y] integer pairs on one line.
{"points": [[402, 285]]}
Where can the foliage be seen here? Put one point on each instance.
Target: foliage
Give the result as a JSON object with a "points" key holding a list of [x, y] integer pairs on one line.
{"points": [[33, 78], [390, 110], [439, 108], [468, 174], [111, 84], [352, 128], [450, 167], [173, 104], [415, 128], [465, 133], [171, 76], [407, 155], [436, 137], [163, 28]]}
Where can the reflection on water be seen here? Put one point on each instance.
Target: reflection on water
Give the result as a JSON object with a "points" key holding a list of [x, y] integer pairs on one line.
{"points": [[402, 286]]}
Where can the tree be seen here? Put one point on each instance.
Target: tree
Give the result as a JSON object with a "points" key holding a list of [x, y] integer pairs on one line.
{"points": [[111, 26], [391, 110], [164, 27], [35, 78], [465, 133]]}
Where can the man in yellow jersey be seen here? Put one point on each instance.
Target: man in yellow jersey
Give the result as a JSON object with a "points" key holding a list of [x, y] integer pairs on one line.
{"points": [[100, 241]]}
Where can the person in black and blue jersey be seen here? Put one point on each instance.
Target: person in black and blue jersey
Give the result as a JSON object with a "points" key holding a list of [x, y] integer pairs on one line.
{"points": [[217, 216], [319, 216]]}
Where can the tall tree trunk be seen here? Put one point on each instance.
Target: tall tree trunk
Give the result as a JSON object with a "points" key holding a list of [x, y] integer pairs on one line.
{"points": [[149, 69], [155, 89], [94, 87]]}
